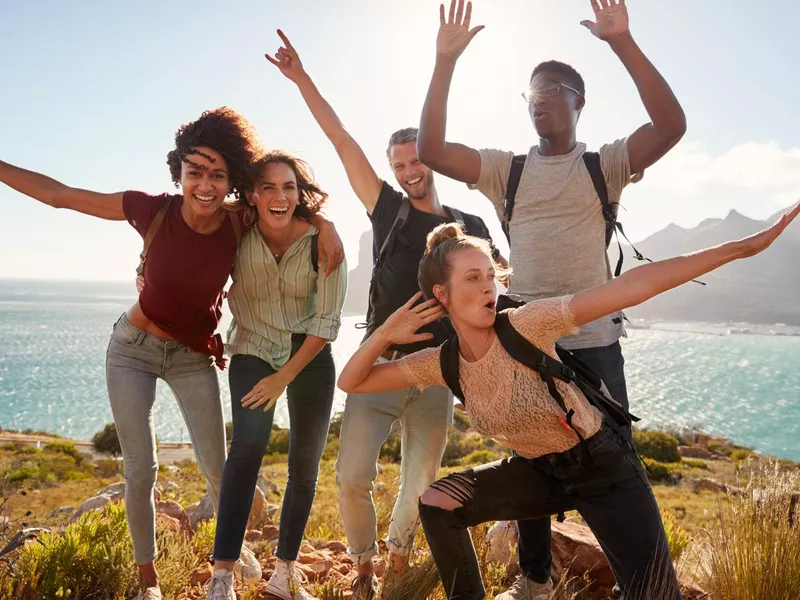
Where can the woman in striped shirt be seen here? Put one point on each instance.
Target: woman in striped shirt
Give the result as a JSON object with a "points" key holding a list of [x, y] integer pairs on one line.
{"points": [[286, 313]]}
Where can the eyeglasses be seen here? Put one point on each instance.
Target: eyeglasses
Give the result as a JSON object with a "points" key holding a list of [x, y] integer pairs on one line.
{"points": [[546, 91]]}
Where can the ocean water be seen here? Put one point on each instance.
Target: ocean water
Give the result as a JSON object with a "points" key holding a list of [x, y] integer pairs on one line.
{"points": [[53, 338]]}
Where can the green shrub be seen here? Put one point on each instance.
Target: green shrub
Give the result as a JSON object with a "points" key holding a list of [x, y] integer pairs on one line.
{"points": [[657, 445], [479, 457], [658, 472], [65, 447], [678, 538], [107, 441], [690, 463], [278, 441]]}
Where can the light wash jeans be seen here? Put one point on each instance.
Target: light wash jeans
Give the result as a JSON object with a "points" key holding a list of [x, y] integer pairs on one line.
{"points": [[425, 417], [134, 360]]}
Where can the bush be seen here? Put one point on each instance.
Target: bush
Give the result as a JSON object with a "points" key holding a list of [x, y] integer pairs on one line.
{"points": [[678, 538], [108, 467], [65, 447], [753, 547], [278, 441], [657, 445], [479, 457], [658, 472], [106, 441], [690, 463]]}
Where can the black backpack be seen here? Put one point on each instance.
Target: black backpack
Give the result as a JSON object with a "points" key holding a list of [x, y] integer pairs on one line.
{"points": [[569, 369], [610, 209]]}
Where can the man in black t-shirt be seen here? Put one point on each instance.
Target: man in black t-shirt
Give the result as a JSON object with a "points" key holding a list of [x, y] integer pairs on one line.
{"points": [[368, 418]]}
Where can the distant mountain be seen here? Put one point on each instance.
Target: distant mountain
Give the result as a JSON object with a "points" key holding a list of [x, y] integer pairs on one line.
{"points": [[763, 289], [358, 278]]}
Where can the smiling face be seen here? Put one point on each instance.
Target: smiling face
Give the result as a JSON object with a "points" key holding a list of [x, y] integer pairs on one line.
{"points": [[205, 181], [469, 295], [415, 178], [276, 195]]}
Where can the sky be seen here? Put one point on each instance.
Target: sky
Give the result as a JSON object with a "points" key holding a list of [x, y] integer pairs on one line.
{"points": [[92, 93]]}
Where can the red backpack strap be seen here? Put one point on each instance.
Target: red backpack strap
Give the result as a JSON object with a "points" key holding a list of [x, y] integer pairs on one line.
{"points": [[151, 233]]}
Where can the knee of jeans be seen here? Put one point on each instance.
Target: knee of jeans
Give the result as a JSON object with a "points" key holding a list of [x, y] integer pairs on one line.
{"points": [[140, 479], [246, 454], [449, 493]]}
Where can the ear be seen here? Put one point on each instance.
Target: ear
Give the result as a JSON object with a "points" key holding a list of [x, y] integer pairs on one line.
{"points": [[440, 293], [251, 198], [580, 102]]}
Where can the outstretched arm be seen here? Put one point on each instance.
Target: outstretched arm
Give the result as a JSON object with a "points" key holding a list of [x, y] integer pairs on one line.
{"points": [[667, 120], [642, 283], [363, 179], [453, 160], [362, 376], [56, 194]]}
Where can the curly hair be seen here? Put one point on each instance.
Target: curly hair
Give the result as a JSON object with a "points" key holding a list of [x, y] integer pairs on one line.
{"points": [[229, 133], [312, 197]]}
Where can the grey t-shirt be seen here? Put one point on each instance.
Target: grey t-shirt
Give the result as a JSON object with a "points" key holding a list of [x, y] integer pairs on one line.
{"points": [[558, 234]]}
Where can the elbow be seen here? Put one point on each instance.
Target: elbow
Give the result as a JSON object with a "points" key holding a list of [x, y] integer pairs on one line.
{"points": [[675, 128], [346, 386], [429, 155]]}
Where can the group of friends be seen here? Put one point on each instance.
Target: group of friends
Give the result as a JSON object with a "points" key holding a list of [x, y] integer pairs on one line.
{"points": [[256, 216]]}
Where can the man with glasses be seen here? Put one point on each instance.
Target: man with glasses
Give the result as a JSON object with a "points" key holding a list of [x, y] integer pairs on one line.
{"points": [[557, 231]]}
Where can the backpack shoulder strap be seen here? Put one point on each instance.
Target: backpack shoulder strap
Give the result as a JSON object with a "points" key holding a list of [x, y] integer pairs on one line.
{"points": [[315, 252], [514, 175], [399, 219], [592, 162], [151, 234], [237, 226], [457, 215], [448, 361]]}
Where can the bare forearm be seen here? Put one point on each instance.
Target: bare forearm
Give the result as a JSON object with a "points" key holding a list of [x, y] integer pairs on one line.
{"points": [[433, 123], [662, 106], [305, 354], [358, 368], [645, 282], [322, 112], [37, 186]]}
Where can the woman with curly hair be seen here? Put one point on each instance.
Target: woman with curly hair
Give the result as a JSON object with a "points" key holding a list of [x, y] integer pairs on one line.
{"points": [[285, 316], [169, 333]]}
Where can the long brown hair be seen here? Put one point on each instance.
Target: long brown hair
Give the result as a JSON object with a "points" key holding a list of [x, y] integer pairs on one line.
{"points": [[312, 196]]}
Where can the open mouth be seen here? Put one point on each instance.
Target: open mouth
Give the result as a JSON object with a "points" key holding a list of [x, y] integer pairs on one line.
{"points": [[491, 305], [204, 200], [278, 212], [412, 182]]}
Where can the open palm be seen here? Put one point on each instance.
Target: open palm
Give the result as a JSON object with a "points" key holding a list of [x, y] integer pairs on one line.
{"points": [[402, 325], [454, 33], [758, 242], [611, 19], [287, 60]]}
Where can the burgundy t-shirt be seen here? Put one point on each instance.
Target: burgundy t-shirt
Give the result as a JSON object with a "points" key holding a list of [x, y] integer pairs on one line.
{"points": [[185, 272]]}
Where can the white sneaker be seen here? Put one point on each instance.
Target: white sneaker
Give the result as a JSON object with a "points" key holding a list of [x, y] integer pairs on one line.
{"points": [[151, 593], [220, 586], [286, 582], [527, 589], [247, 569]]}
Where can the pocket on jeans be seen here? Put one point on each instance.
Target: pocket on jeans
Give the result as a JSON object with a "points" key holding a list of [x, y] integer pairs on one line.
{"points": [[605, 446], [127, 335]]}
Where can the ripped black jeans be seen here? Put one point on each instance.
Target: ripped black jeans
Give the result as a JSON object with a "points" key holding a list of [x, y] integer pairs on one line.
{"points": [[612, 495]]}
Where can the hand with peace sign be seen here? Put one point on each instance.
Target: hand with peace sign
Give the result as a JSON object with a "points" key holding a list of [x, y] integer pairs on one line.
{"points": [[401, 327], [611, 19], [287, 60], [454, 33]]}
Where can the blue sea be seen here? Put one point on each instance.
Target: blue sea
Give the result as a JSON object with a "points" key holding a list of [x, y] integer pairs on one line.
{"points": [[735, 380]]}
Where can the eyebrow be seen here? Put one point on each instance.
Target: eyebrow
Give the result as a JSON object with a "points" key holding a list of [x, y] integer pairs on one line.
{"points": [[203, 167]]}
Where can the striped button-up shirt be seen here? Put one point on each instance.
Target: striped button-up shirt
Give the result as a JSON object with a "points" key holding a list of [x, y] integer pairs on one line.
{"points": [[270, 301]]}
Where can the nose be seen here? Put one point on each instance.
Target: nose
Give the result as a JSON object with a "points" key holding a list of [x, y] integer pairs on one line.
{"points": [[206, 184]]}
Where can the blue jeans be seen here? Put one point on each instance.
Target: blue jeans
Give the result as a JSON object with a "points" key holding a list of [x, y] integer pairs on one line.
{"points": [[134, 361], [535, 558], [310, 399]]}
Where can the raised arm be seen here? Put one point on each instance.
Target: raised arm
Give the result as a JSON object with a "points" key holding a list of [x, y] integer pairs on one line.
{"points": [[363, 179], [667, 120], [642, 283], [453, 160], [362, 376], [56, 194]]}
